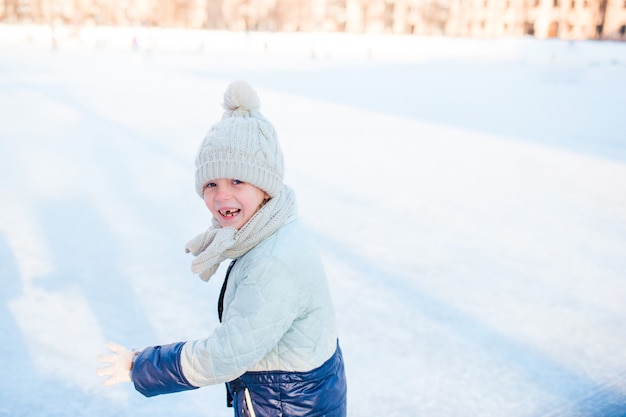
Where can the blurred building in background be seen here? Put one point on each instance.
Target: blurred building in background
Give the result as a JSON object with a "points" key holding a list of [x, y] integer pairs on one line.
{"points": [[566, 19]]}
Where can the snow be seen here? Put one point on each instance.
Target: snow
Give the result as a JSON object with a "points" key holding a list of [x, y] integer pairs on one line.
{"points": [[468, 198]]}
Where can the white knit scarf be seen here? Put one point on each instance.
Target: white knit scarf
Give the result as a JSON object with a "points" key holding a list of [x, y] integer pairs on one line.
{"points": [[220, 243]]}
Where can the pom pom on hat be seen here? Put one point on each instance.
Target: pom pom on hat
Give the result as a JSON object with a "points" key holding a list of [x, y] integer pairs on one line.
{"points": [[243, 145], [240, 99]]}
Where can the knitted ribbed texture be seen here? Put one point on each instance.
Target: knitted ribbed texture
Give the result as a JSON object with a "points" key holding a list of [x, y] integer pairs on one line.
{"points": [[243, 145], [220, 243]]}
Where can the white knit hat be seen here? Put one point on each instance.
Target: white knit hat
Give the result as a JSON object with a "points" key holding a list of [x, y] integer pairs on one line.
{"points": [[243, 145]]}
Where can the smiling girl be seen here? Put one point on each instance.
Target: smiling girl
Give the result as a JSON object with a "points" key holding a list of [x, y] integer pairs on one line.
{"points": [[276, 346], [233, 202]]}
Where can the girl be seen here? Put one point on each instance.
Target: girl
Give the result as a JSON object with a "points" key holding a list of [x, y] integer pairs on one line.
{"points": [[276, 347]]}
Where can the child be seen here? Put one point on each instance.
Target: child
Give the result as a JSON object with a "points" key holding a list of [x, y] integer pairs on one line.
{"points": [[276, 347]]}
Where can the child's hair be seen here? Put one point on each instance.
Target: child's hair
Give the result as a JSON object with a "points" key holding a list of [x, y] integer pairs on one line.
{"points": [[243, 145]]}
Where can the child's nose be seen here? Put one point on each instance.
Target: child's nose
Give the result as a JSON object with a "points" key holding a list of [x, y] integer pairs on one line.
{"points": [[222, 194]]}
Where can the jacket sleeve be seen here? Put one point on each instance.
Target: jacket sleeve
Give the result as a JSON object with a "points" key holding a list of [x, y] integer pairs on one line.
{"points": [[157, 370]]}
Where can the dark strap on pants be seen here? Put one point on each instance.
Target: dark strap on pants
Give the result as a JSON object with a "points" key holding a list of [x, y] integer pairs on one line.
{"points": [[220, 302], [220, 311]]}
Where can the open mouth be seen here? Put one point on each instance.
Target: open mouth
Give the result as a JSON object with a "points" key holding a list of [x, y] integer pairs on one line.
{"points": [[229, 212]]}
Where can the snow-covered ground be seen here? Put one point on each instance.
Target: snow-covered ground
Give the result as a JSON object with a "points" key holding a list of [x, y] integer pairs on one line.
{"points": [[468, 197]]}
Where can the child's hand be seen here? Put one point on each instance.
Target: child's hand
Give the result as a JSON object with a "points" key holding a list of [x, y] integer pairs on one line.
{"points": [[121, 364]]}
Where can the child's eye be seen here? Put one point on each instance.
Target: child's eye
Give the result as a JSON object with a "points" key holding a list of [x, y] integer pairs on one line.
{"points": [[210, 185], [237, 182]]}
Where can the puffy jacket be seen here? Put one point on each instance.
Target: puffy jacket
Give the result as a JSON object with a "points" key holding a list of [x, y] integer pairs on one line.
{"points": [[319, 392], [277, 318]]}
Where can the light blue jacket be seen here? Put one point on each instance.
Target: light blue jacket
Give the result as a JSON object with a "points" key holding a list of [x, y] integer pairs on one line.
{"points": [[278, 318]]}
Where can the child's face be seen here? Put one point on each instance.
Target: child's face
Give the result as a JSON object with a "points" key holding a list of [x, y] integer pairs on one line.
{"points": [[233, 202]]}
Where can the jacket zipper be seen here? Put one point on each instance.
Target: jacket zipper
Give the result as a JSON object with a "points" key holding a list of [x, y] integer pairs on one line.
{"points": [[248, 402]]}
